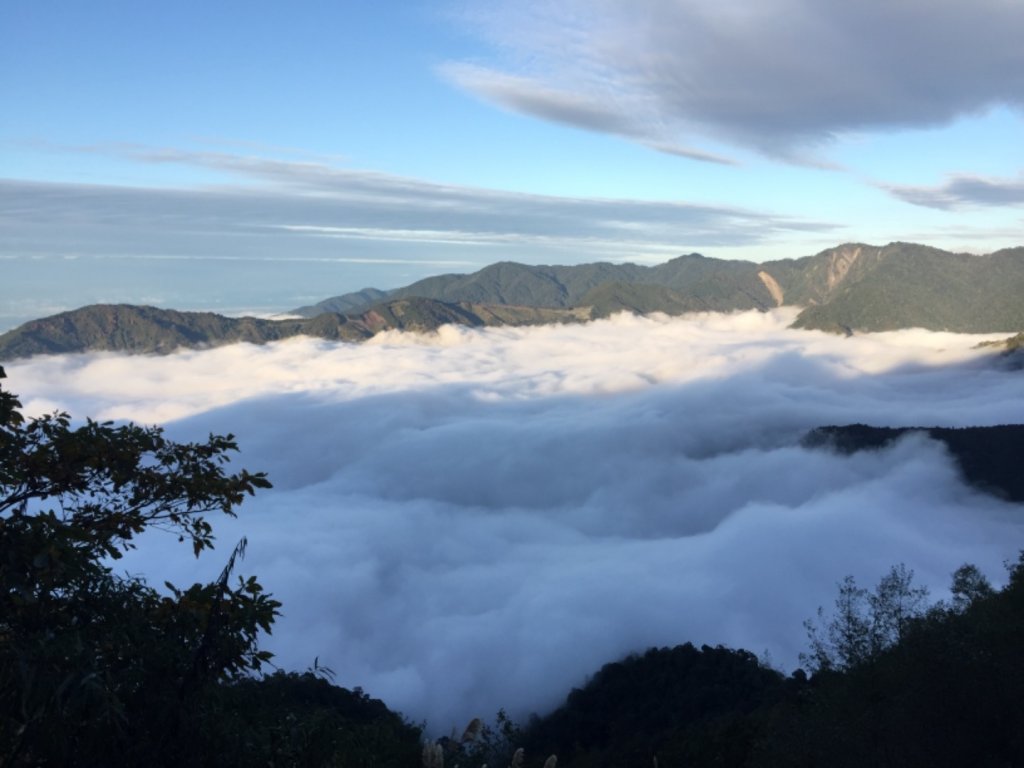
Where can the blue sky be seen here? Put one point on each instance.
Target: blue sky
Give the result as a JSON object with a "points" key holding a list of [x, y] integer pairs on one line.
{"points": [[257, 156]]}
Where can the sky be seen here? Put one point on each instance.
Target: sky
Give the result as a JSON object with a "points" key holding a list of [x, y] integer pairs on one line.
{"points": [[482, 518], [258, 156]]}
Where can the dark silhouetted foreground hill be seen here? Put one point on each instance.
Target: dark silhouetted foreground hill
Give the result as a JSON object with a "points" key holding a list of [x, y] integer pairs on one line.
{"points": [[684, 705], [942, 692]]}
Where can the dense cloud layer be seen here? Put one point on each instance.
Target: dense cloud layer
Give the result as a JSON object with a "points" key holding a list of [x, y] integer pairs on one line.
{"points": [[776, 75], [479, 519]]}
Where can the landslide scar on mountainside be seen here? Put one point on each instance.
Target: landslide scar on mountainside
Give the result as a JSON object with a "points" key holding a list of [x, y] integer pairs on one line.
{"points": [[773, 287], [839, 265]]}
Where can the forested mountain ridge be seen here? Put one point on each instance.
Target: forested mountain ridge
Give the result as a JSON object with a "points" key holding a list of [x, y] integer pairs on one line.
{"points": [[853, 286], [149, 330], [703, 283], [904, 286], [850, 288]]}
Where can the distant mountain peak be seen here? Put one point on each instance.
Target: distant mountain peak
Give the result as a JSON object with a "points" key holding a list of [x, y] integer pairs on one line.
{"points": [[853, 287]]}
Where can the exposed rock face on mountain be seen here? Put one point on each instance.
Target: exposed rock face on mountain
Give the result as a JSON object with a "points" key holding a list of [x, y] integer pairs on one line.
{"points": [[773, 287], [853, 287], [866, 288], [850, 288]]}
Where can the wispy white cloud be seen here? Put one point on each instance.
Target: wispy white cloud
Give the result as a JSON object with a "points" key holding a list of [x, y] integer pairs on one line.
{"points": [[579, 109], [477, 519], [295, 199], [781, 76], [271, 216], [961, 191], [597, 247]]}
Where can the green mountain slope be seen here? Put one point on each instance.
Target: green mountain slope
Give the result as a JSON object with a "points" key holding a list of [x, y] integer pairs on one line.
{"points": [[853, 287], [850, 288], [903, 286], [349, 302], [720, 285], [148, 330], [505, 283], [125, 327], [696, 283], [609, 298]]}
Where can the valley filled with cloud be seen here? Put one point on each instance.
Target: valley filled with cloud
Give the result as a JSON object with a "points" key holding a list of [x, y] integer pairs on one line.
{"points": [[481, 518]]}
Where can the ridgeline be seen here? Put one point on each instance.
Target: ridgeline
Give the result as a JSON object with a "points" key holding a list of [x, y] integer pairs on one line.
{"points": [[848, 289]]}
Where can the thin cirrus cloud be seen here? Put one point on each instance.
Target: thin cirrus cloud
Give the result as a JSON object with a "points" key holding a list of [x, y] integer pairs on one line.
{"points": [[304, 201], [262, 219], [963, 191], [782, 77], [479, 519]]}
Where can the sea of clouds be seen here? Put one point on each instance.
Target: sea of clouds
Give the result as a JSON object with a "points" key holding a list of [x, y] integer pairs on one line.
{"points": [[479, 519]]}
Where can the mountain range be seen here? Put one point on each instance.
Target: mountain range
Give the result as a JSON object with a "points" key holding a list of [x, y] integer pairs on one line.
{"points": [[853, 287], [847, 289]]}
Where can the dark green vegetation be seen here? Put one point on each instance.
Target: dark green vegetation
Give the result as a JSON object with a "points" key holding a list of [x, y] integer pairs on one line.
{"points": [[911, 286], [99, 669], [1014, 343], [850, 288], [687, 706], [700, 283], [989, 457], [147, 330], [1011, 350], [853, 286], [893, 683], [684, 284]]}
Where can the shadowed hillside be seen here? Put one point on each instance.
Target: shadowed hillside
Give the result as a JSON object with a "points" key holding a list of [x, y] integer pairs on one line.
{"points": [[989, 457], [148, 330]]}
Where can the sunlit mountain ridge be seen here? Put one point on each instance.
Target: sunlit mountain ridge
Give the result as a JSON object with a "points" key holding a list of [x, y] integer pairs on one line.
{"points": [[850, 288]]}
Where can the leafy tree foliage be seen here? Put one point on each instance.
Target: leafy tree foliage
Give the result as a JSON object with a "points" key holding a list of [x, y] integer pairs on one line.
{"points": [[946, 694], [968, 587], [481, 743], [864, 623], [92, 663], [102, 669], [289, 719]]}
